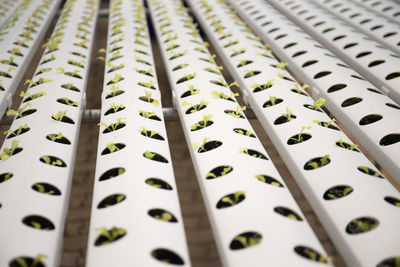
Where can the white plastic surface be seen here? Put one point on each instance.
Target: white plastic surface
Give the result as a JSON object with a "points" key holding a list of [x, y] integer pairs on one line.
{"points": [[144, 233], [178, 35], [388, 8], [8, 8], [335, 214], [21, 196]]}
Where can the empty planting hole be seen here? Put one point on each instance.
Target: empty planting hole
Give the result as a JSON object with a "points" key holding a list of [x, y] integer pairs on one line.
{"points": [[309, 63], [351, 101], [369, 119], [322, 74], [336, 87], [376, 63], [392, 76], [363, 54], [167, 256], [390, 139]]}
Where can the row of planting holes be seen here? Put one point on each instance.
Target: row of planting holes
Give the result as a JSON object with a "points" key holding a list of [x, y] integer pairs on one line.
{"points": [[340, 191], [160, 254], [385, 8], [37, 221], [389, 139]]}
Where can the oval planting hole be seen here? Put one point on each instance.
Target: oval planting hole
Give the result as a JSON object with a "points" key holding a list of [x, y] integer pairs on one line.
{"points": [[26, 261], [351, 101], [210, 145], [46, 188], [58, 138], [111, 201], [348, 146], [149, 115], [195, 108], [287, 213], [112, 173], [336, 87], [219, 172], [154, 156], [231, 199], [371, 118], [310, 254], [180, 66], [152, 134], [337, 192], [363, 54], [167, 256], [269, 180], [393, 75], [158, 183], [389, 262], [316, 163], [261, 87], [26, 113], [253, 153], [108, 236], [162, 215], [321, 74], [390, 139], [5, 177], [361, 225], [376, 63], [392, 106], [298, 138], [392, 200], [283, 119], [111, 148], [244, 132], [369, 171], [244, 63], [116, 93], [234, 114], [114, 109], [21, 130], [245, 240], [272, 102], [251, 73], [53, 161], [62, 118], [68, 102], [201, 125], [190, 92], [38, 222], [309, 63]]}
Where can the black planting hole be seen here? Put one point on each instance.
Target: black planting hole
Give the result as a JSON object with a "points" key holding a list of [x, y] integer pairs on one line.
{"points": [[252, 73], [158, 183], [38, 222], [269, 180], [18, 132], [167, 256], [245, 240], [112, 173], [46, 188], [269, 103], [262, 87], [26, 113], [155, 156], [392, 105], [346, 146], [369, 171], [114, 110], [310, 254], [299, 53], [361, 225], [231, 199], [180, 66], [287, 213], [393, 75], [67, 101], [115, 147], [110, 235], [219, 171], [64, 119], [114, 127], [316, 163], [70, 87], [283, 119], [321, 74], [298, 138], [53, 161], [309, 63], [210, 145], [311, 107], [254, 153], [111, 200], [371, 118], [336, 87], [26, 261], [195, 108], [151, 116], [351, 101], [201, 125], [5, 177], [390, 139], [152, 134], [244, 63], [389, 262], [337, 192], [363, 54], [162, 215], [349, 45], [244, 132], [392, 200]]}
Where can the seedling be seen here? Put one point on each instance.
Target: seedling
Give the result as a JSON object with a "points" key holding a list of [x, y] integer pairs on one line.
{"points": [[230, 43], [108, 236], [224, 96], [314, 164], [112, 147], [117, 78], [346, 146], [317, 103], [8, 152], [281, 65], [300, 138], [325, 124], [251, 73], [26, 261], [20, 130], [149, 84], [177, 55], [289, 114], [67, 101], [148, 98], [69, 73], [261, 87], [20, 111], [38, 82], [80, 64], [194, 108], [15, 51], [52, 44], [236, 52], [55, 137], [43, 70], [59, 115], [9, 61], [237, 113], [203, 123], [187, 77], [148, 72], [244, 62], [297, 88], [201, 146], [222, 82], [217, 70], [113, 126], [149, 154], [32, 97]]}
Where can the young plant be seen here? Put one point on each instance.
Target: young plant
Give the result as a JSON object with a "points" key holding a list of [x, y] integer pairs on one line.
{"points": [[149, 155], [187, 77], [298, 89], [112, 147], [20, 111], [201, 146], [215, 71], [300, 138], [55, 137], [203, 123], [148, 98], [20, 130], [113, 126], [147, 133], [261, 87], [325, 124], [38, 82], [8, 152], [289, 114], [194, 108], [109, 236], [149, 84], [224, 96], [116, 108], [281, 65], [322, 162], [238, 113], [317, 103], [59, 115], [351, 147]]}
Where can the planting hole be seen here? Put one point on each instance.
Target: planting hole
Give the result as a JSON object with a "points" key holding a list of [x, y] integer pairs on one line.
{"points": [[46, 188], [180, 66], [201, 125], [389, 262], [112, 173], [18, 132], [322, 74], [392, 200], [316, 163], [351, 101], [25, 262], [392, 105], [393, 75], [152, 134], [253, 153], [114, 110], [231, 199], [53, 161], [64, 119], [114, 127], [283, 119], [190, 92], [244, 63], [251, 73], [167, 256], [70, 87], [67, 101], [158, 183], [298, 138], [390, 139], [348, 146], [149, 115], [371, 118], [5, 177], [287, 213], [111, 148], [111, 200], [162, 215], [38, 222], [361, 225], [376, 63], [154, 156], [310, 254], [195, 108], [244, 132], [210, 145], [26, 113], [269, 180], [219, 172], [262, 87], [108, 236], [337, 192], [309, 63], [245, 240], [369, 171], [58, 139], [336, 87]]}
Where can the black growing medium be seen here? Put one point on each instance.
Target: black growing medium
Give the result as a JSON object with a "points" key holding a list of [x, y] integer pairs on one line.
{"points": [[346, 146], [390, 139], [62, 140], [286, 212], [210, 145], [245, 240], [26, 261], [389, 262], [337, 192], [361, 225], [115, 232], [111, 200], [202, 125], [255, 154], [371, 118], [392, 200], [156, 157], [38, 222], [319, 161], [158, 183], [369, 171], [46, 188], [112, 111], [269, 180], [167, 256], [5, 177], [262, 87], [112, 173], [310, 254], [154, 136], [282, 119], [219, 171], [230, 200]]}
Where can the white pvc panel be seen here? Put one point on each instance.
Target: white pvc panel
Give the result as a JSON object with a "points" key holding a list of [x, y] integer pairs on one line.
{"points": [[335, 190], [38, 155], [8, 8], [135, 198], [242, 189], [388, 8], [342, 86]]}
